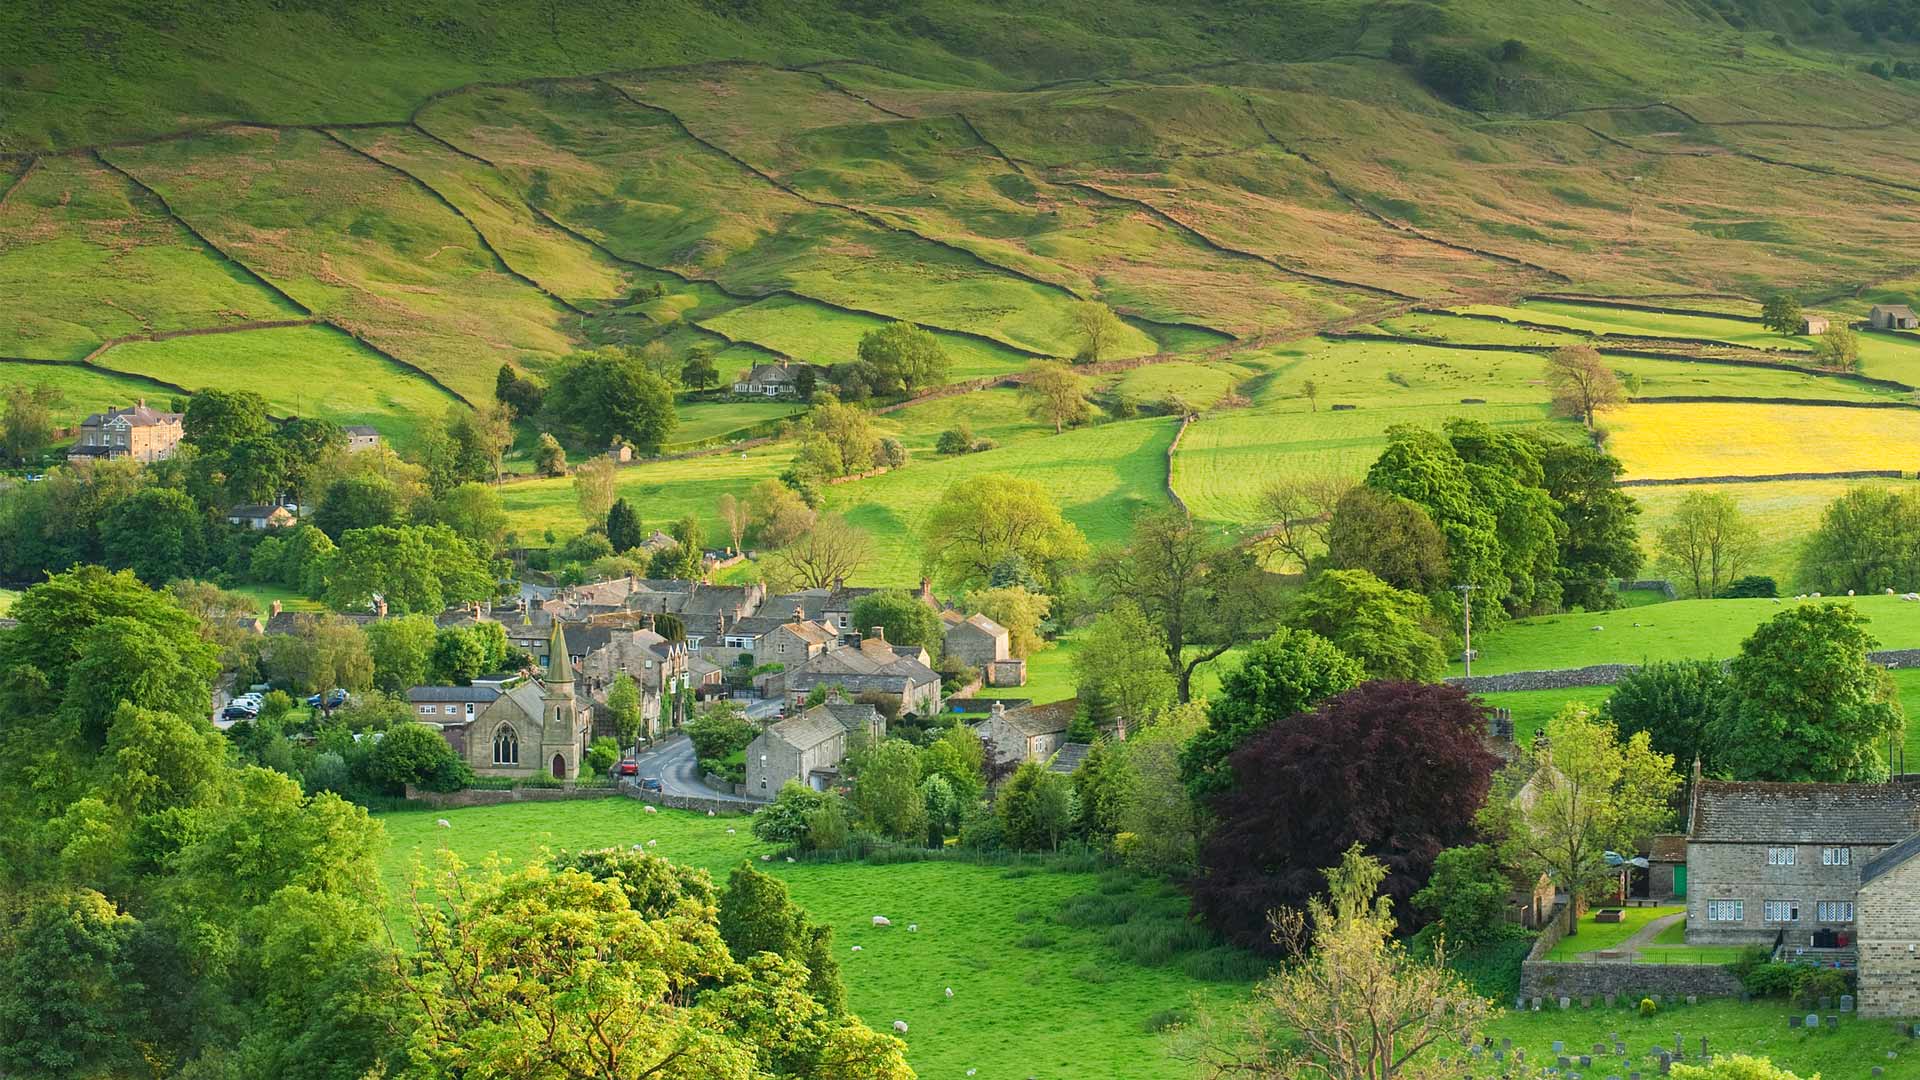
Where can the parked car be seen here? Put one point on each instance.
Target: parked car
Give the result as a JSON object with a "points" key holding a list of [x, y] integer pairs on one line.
{"points": [[239, 710], [332, 699], [627, 767], [650, 783]]}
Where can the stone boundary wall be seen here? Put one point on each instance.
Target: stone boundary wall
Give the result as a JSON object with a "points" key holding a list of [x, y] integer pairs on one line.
{"points": [[454, 800], [1551, 980], [1851, 474], [1609, 674], [696, 803], [1172, 448], [1738, 399]]}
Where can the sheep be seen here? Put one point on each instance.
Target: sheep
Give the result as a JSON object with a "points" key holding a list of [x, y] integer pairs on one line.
{"points": [[789, 858], [900, 1026], [949, 993], [856, 948], [651, 843], [709, 813], [913, 928], [444, 823], [881, 920], [651, 810], [766, 858], [729, 832]]}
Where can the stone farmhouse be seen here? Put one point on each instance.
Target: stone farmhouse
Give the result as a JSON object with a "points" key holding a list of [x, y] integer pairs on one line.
{"points": [[138, 432], [1893, 317], [809, 747], [360, 437], [1026, 733], [981, 643], [1824, 870], [536, 728], [897, 675], [779, 380], [1814, 324]]}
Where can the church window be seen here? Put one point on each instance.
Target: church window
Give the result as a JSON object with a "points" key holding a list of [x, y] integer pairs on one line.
{"points": [[506, 745]]}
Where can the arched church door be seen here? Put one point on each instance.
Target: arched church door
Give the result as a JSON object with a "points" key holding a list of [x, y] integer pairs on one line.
{"points": [[559, 767]]}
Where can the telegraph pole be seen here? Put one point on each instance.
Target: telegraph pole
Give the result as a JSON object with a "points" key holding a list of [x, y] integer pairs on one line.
{"points": [[1466, 613]]}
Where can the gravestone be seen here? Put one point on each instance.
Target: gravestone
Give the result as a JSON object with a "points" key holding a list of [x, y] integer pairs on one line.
{"points": [[1474, 1050], [1609, 999], [1679, 1046], [1846, 1003], [1813, 1020], [1536, 1004], [1825, 1003], [1566, 1002], [1563, 1061], [1599, 1048], [1559, 1047], [1499, 1055], [1833, 1021], [1796, 1020], [1506, 1044], [1693, 999], [1703, 1048], [1586, 1001], [1519, 1002], [1878, 1071], [1619, 1047], [1666, 1062], [1586, 1062]]}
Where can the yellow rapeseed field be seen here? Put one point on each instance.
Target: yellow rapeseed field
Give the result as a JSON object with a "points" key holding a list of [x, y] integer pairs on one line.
{"points": [[1718, 439]]}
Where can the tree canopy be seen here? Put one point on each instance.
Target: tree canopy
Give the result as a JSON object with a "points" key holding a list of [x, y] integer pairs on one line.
{"points": [[1805, 704], [987, 519]]}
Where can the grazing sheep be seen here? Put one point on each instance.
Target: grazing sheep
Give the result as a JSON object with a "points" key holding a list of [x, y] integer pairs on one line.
{"points": [[729, 832], [709, 813], [949, 993], [900, 1026], [789, 858], [856, 948], [637, 847], [444, 823], [881, 920], [766, 858], [650, 843], [651, 810], [913, 928]]}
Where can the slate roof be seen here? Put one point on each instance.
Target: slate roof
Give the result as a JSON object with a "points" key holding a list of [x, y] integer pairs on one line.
{"points": [[421, 694], [1668, 847], [136, 416], [1727, 812], [1069, 757], [809, 729], [288, 622], [1901, 310], [1042, 719], [815, 603], [981, 623], [254, 511], [359, 429], [1890, 858], [851, 715], [770, 373]]}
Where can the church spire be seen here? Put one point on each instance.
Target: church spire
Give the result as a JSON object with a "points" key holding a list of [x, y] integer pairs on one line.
{"points": [[559, 664]]}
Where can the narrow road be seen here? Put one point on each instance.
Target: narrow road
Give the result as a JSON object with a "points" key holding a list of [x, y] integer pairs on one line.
{"points": [[673, 763]]}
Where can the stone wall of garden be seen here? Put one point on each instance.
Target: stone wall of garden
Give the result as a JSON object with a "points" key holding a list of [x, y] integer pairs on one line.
{"points": [[1609, 674], [1588, 984], [453, 800]]}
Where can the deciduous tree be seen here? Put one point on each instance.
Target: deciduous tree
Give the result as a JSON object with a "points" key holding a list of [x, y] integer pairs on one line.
{"points": [[1868, 540], [1302, 510], [1782, 314], [623, 705], [1017, 609], [1837, 348], [1578, 794], [1397, 769], [887, 793], [1035, 807], [26, 426], [1389, 630], [829, 550], [1098, 329], [1708, 543], [1581, 383], [1121, 661], [1601, 543], [608, 394], [1390, 537], [983, 520], [549, 457], [903, 358], [1204, 595], [593, 488], [780, 515], [1677, 703], [734, 515], [1350, 1004], [1288, 673], [1055, 395], [904, 619], [1805, 703]]}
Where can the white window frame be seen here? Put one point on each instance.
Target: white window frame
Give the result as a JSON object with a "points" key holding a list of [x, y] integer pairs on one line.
{"points": [[1834, 911], [1781, 856], [469, 708], [1780, 912], [448, 709], [1726, 911], [426, 710], [1836, 856]]}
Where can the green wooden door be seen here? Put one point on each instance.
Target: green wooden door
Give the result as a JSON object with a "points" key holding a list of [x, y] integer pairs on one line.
{"points": [[1680, 880]]}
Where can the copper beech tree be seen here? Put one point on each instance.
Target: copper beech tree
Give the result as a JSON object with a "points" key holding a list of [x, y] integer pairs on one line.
{"points": [[1350, 1004]]}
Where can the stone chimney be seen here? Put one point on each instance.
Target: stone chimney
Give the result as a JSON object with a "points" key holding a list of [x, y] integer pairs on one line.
{"points": [[879, 634], [999, 708], [926, 592], [839, 583], [273, 609], [799, 614], [379, 607], [140, 403]]}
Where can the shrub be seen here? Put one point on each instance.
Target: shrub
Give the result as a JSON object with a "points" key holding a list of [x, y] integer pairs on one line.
{"points": [[1154, 942], [1647, 1007], [1810, 984], [1770, 979], [416, 754], [1039, 939], [1092, 973], [1753, 585], [955, 440], [1459, 75], [1226, 964], [1166, 1018], [1094, 909], [600, 756]]}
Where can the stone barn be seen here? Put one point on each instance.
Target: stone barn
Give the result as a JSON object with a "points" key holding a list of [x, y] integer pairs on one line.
{"points": [[1893, 317], [1887, 915]]}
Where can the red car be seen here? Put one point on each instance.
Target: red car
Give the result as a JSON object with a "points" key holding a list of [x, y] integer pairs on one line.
{"points": [[629, 767]]}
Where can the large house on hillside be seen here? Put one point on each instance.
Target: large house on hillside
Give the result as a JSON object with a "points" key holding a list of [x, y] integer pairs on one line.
{"points": [[137, 432], [781, 380], [1826, 871]]}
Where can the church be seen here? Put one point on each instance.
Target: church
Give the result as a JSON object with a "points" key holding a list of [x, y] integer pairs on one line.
{"points": [[536, 728]]}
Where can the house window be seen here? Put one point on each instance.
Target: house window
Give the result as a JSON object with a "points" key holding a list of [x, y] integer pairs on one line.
{"points": [[1836, 856], [448, 709], [1780, 856], [1782, 911], [1835, 911], [469, 708], [426, 710], [843, 622], [1726, 911], [506, 745]]}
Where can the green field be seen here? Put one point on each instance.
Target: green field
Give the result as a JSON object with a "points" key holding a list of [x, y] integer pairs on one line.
{"points": [[1683, 629], [1069, 1008], [1594, 935]]}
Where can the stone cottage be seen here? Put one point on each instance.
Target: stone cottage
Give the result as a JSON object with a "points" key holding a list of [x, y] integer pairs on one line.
{"points": [[1767, 859], [984, 645], [1887, 914], [137, 432], [809, 747], [1893, 317], [537, 728], [899, 674], [780, 380], [1026, 733]]}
